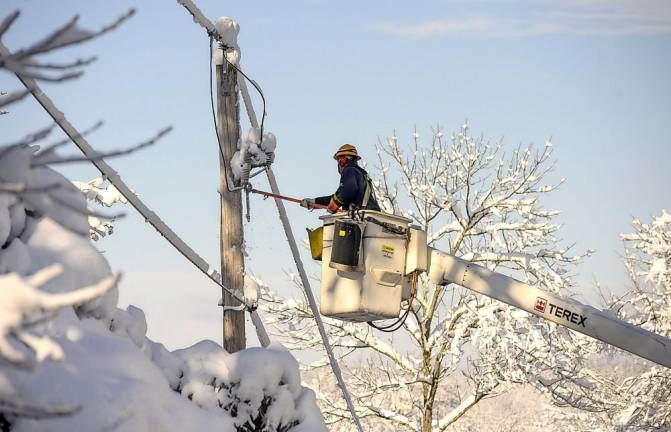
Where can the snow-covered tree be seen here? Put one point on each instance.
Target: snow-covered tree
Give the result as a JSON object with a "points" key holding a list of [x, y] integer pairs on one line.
{"points": [[648, 263], [479, 203], [42, 216], [629, 393]]}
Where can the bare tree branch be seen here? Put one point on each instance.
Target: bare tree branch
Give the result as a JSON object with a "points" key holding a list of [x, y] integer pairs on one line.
{"points": [[60, 66], [13, 97], [52, 159], [52, 147], [22, 61], [31, 138], [7, 22]]}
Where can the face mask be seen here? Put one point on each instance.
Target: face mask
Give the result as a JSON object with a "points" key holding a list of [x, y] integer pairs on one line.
{"points": [[342, 163]]}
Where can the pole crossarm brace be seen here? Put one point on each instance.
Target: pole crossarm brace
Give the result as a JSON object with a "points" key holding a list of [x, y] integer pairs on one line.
{"points": [[152, 218], [200, 19]]}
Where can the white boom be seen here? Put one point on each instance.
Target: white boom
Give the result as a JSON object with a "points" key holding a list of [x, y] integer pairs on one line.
{"points": [[369, 259], [444, 269]]}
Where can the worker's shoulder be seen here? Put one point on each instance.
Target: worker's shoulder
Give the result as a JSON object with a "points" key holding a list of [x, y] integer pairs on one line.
{"points": [[353, 170]]}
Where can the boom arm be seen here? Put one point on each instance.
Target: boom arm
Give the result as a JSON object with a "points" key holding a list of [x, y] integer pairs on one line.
{"points": [[444, 269]]}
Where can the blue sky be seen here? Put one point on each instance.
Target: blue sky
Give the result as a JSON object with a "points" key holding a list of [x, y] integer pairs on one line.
{"points": [[592, 74]]}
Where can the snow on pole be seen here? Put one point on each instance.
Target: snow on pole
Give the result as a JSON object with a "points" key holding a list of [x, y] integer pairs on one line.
{"points": [[228, 29], [152, 218], [587, 320]]}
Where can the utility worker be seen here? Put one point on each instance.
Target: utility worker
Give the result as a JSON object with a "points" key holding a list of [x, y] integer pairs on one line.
{"points": [[355, 190]]}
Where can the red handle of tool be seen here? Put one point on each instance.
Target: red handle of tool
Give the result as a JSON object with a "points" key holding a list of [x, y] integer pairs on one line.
{"points": [[286, 198]]}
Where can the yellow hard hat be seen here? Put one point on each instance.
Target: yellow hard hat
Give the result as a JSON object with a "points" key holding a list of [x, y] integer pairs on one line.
{"points": [[347, 150]]}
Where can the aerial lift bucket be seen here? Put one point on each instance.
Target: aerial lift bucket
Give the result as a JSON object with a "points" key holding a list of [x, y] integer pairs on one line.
{"points": [[365, 272]]}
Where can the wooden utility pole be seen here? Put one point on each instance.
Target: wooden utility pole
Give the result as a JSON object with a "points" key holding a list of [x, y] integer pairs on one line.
{"points": [[232, 259]]}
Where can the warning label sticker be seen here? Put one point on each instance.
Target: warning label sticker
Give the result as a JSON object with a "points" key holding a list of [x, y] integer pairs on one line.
{"points": [[387, 251]]}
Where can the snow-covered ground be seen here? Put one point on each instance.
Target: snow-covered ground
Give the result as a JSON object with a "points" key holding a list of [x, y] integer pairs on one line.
{"points": [[71, 360]]}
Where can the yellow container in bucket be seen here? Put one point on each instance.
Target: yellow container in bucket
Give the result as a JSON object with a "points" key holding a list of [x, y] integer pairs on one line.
{"points": [[316, 237]]}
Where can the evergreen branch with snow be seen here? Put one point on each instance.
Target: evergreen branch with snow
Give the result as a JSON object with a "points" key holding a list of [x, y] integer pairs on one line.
{"points": [[23, 410], [21, 299]]}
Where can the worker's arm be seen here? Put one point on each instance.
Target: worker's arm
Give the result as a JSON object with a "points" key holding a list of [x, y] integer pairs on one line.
{"points": [[332, 205], [323, 200], [326, 201]]}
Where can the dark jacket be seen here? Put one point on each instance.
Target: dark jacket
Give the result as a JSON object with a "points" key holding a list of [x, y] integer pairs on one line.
{"points": [[353, 183]]}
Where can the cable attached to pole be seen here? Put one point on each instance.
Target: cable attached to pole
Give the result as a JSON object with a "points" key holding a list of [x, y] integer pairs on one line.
{"points": [[216, 130], [224, 47], [245, 185]]}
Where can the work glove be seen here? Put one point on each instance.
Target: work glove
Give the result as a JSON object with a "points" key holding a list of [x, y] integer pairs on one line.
{"points": [[308, 203]]}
